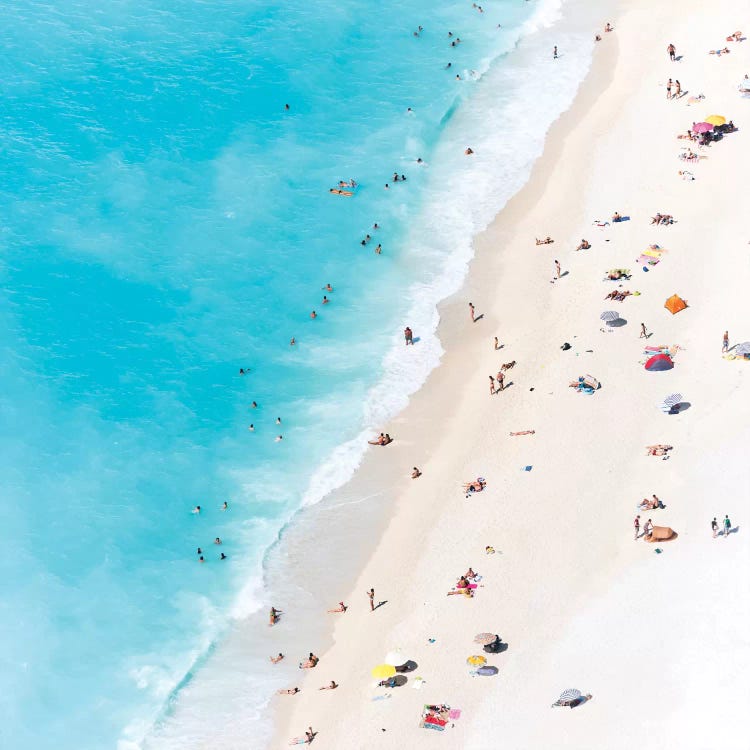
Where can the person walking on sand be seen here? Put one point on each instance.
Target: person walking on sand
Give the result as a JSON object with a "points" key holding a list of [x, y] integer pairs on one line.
{"points": [[497, 344], [714, 528], [371, 597], [408, 336], [671, 51], [677, 89], [643, 335], [492, 386], [637, 525], [727, 527], [554, 53], [557, 269], [725, 342], [471, 311], [500, 381], [669, 89]]}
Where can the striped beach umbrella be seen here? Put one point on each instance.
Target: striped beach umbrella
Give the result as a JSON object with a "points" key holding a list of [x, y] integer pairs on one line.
{"points": [[609, 316], [567, 697], [672, 400], [742, 349]]}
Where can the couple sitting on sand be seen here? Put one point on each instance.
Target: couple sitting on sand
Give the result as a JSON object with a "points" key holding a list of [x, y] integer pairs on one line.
{"points": [[310, 662], [471, 487], [662, 219], [652, 504], [546, 241], [585, 245]]}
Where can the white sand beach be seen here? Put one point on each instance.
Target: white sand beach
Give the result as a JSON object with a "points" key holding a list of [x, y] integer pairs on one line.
{"points": [[660, 641]]}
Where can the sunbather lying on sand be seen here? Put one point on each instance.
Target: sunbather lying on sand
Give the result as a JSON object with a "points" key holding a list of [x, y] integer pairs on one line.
{"points": [[719, 52], [469, 593], [617, 274], [585, 245], [341, 608], [599, 223], [546, 241], [381, 439], [689, 136], [690, 156], [523, 432], [662, 219], [309, 663], [290, 691], [658, 450], [508, 365], [477, 486], [619, 295]]}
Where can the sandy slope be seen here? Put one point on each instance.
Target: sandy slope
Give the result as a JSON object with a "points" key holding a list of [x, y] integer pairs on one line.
{"points": [[661, 641]]}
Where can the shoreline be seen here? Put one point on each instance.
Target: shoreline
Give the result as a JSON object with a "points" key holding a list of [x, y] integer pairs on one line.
{"points": [[416, 417], [433, 434]]}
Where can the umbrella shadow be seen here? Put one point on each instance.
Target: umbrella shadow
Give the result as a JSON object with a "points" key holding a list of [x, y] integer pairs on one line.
{"points": [[400, 680], [619, 323], [409, 666]]}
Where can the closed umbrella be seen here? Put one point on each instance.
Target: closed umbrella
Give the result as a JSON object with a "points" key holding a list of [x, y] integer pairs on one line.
{"points": [[487, 671], [609, 316], [484, 639], [476, 660], [702, 127], [742, 349], [395, 658], [716, 119], [383, 671]]}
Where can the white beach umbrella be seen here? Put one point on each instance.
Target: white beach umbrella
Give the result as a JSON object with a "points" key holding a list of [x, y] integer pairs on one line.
{"points": [[742, 349], [395, 658], [609, 316]]}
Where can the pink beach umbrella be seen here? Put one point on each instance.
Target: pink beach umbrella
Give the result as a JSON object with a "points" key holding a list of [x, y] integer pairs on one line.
{"points": [[702, 127]]}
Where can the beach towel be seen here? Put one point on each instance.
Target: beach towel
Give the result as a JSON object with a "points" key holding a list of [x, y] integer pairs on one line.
{"points": [[454, 713]]}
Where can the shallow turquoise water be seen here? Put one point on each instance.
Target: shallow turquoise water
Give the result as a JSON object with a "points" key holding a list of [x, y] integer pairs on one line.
{"points": [[164, 223]]}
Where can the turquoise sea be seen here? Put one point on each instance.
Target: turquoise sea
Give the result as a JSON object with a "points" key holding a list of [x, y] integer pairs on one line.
{"points": [[165, 222]]}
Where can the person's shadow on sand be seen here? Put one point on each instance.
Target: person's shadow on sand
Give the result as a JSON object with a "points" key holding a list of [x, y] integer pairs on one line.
{"points": [[478, 317], [380, 604]]}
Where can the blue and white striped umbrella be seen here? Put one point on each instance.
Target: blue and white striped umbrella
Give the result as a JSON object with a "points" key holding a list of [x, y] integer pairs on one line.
{"points": [[673, 400], [609, 316], [742, 349], [569, 695]]}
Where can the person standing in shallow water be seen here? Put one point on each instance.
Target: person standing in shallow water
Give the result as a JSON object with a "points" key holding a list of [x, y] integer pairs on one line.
{"points": [[554, 53]]}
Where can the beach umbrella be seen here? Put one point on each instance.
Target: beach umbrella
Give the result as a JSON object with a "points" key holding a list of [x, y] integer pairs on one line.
{"points": [[476, 660], [702, 127], [672, 400], [487, 671], [569, 695], [742, 349], [395, 658], [484, 639], [383, 671], [609, 316], [716, 120]]}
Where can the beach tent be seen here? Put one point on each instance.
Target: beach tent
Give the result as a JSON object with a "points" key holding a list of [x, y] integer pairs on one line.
{"points": [[660, 534], [675, 303], [659, 363]]}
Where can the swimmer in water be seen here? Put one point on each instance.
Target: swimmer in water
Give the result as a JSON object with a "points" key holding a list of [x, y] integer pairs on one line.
{"points": [[448, 66], [278, 438], [254, 405], [222, 556], [286, 107], [325, 300], [375, 225], [276, 659], [313, 315], [201, 560], [197, 509], [378, 250], [225, 506], [292, 342], [328, 287], [199, 551], [251, 428], [217, 540]]}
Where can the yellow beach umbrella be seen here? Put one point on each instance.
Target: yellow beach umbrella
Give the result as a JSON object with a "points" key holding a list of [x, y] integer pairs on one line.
{"points": [[716, 120], [383, 671], [476, 661]]}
